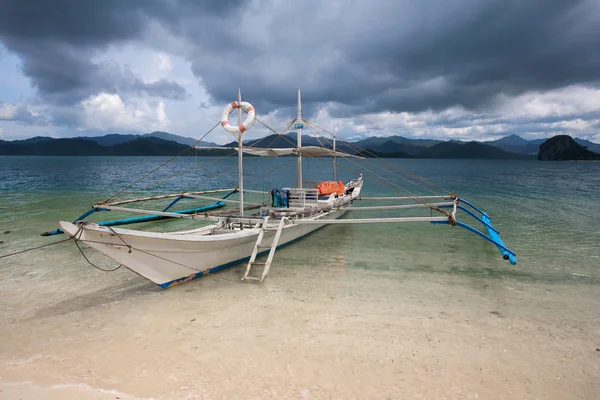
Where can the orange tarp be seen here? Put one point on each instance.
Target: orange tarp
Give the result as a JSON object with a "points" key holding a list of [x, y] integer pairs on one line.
{"points": [[330, 187]]}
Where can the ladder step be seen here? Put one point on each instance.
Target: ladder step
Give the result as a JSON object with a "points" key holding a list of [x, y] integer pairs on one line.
{"points": [[258, 245]]}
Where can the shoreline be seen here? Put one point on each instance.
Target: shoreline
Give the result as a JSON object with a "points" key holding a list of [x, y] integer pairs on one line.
{"points": [[16, 384]]}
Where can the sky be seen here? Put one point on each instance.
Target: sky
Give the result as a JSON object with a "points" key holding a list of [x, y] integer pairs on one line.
{"points": [[460, 69]]}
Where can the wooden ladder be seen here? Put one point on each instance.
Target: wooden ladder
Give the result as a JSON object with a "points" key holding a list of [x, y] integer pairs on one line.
{"points": [[258, 246]]}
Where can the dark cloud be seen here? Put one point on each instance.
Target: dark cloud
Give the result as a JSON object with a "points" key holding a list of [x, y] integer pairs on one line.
{"points": [[57, 42], [402, 55], [360, 56], [65, 74]]}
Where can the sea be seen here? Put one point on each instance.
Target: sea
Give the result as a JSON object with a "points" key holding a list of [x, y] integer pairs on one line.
{"points": [[408, 310]]}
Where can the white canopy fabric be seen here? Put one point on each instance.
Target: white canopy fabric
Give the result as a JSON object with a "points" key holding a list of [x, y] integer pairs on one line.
{"points": [[306, 151]]}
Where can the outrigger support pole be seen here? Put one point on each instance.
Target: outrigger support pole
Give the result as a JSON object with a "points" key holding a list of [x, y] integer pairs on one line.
{"points": [[493, 235], [146, 218]]}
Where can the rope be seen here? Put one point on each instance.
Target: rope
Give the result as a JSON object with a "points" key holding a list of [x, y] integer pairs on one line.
{"points": [[34, 248], [411, 195], [390, 163], [162, 165], [80, 232], [91, 263], [183, 173], [375, 165], [282, 135], [130, 249], [286, 126]]}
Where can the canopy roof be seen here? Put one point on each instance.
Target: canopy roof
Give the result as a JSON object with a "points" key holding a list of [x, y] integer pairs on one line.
{"points": [[307, 151]]}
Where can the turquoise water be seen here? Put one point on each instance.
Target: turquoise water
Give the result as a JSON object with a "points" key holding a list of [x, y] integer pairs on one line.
{"points": [[547, 212]]}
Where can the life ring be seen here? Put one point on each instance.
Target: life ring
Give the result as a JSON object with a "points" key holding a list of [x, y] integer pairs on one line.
{"points": [[247, 108]]}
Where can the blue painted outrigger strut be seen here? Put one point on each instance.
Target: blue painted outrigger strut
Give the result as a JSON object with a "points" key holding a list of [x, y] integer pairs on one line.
{"points": [[146, 218], [493, 235]]}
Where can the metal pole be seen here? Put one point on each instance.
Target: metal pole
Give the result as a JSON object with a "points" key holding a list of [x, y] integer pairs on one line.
{"points": [[240, 157], [334, 158], [299, 139]]}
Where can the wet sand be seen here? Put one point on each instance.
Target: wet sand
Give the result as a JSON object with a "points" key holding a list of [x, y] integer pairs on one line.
{"points": [[313, 333]]}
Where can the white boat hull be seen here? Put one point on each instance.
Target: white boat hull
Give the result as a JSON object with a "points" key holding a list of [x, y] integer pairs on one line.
{"points": [[168, 259]]}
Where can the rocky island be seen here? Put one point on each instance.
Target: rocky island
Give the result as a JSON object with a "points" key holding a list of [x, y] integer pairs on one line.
{"points": [[564, 147]]}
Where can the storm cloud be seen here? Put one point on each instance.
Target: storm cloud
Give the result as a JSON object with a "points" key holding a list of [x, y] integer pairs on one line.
{"points": [[402, 55], [350, 58]]}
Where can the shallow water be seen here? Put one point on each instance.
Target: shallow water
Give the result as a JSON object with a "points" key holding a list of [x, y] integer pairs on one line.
{"points": [[352, 311]]}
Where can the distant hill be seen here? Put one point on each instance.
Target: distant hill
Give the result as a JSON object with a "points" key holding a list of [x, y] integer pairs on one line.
{"points": [[515, 144], [403, 148], [50, 147], [116, 138], [179, 139], [141, 146], [448, 150], [509, 147], [564, 147], [469, 150], [413, 147], [111, 139], [595, 147], [374, 142]]}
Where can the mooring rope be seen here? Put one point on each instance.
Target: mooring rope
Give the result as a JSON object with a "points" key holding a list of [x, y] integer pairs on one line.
{"points": [[130, 248], [34, 248]]}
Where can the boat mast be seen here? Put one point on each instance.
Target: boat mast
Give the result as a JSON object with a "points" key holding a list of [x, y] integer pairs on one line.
{"points": [[298, 127], [334, 158], [240, 157]]}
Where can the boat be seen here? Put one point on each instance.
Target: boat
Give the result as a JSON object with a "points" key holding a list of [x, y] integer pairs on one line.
{"points": [[248, 230]]}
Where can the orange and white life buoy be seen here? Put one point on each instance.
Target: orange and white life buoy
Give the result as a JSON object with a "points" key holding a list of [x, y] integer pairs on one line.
{"points": [[247, 108]]}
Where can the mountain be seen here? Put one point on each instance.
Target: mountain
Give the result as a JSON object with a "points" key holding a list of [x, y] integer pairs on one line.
{"points": [[595, 147], [36, 139], [399, 146], [468, 150], [141, 146], [380, 142], [111, 139], [116, 138], [51, 147], [515, 144], [510, 140], [179, 139], [564, 147], [155, 144]]}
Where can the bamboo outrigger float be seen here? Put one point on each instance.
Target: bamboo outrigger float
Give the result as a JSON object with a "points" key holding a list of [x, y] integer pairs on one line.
{"points": [[253, 228]]}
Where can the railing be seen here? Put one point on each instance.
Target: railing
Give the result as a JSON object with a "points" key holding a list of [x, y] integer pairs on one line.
{"points": [[302, 198]]}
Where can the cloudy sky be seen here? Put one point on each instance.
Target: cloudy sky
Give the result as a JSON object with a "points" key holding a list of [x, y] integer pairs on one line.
{"points": [[460, 69]]}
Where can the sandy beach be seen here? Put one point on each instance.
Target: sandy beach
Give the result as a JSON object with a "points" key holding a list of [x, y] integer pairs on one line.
{"points": [[333, 333]]}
